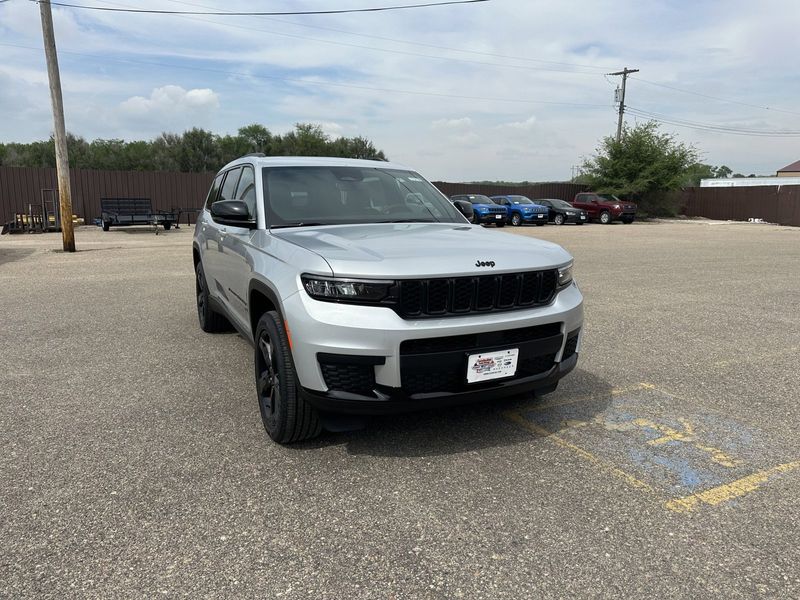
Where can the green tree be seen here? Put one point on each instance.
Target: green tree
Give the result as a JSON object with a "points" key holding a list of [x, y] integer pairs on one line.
{"points": [[193, 150], [257, 137], [645, 165], [199, 151]]}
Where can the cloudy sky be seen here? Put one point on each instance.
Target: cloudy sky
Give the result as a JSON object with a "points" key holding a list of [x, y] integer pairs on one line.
{"points": [[506, 89]]}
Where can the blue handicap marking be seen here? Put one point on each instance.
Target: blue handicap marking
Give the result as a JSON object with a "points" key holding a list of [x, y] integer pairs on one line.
{"points": [[668, 442]]}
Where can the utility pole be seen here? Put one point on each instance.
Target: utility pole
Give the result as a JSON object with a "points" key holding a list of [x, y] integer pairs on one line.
{"points": [[60, 133], [625, 72]]}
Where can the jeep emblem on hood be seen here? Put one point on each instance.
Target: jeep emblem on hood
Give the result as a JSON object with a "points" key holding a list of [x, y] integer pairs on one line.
{"points": [[484, 263]]}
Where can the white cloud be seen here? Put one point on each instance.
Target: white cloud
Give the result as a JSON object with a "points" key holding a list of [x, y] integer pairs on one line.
{"points": [[525, 125], [171, 100], [462, 123]]}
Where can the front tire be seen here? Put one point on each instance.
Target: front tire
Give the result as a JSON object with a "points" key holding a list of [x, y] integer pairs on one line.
{"points": [[605, 217], [287, 417], [210, 320], [558, 220], [516, 220]]}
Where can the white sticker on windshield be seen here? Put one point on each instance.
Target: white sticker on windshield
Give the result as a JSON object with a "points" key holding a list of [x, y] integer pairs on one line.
{"points": [[414, 179]]}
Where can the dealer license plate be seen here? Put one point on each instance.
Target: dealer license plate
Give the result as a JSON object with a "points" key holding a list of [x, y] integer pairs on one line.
{"points": [[492, 365], [540, 217], [583, 217], [498, 216]]}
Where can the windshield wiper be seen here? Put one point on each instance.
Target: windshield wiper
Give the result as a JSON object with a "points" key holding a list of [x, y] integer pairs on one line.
{"points": [[304, 224], [407, 221]]}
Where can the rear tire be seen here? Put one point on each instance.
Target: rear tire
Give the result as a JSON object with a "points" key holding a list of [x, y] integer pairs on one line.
{"points": [[210, 320], [287, 417], [558, 220], [605, 217]]}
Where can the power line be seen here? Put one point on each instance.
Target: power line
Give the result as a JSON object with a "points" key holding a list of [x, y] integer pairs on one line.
{"points": [[260, 13], [321, 83], [710, 127], [728, 100], [416, 43], [371, 48]]}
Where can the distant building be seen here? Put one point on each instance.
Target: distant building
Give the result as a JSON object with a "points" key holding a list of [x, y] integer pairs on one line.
{"points": [[792, 170], [782, 179]]}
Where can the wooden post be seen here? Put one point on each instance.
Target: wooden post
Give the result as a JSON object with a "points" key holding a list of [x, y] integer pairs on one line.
{"points": [[60, 133]]}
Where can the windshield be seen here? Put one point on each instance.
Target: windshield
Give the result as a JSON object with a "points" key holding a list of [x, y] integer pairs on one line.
{"points": [[610, 197], [480, 199], [520, 200], [560, 203], [296, 196]]}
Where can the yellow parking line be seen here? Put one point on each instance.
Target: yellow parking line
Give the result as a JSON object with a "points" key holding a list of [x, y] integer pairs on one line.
{"points": [[729, 491], [588, 456]]}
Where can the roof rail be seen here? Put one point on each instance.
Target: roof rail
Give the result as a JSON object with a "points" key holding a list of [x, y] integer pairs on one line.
{"points": [[258, 154]]}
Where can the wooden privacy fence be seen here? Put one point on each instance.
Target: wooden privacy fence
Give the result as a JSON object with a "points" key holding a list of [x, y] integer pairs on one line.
{"points": [[21, 186], [774, 204], [562, 191]]}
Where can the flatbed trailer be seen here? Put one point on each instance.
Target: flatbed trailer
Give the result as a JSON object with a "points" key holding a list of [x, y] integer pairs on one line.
{"points": [[122, 212]]}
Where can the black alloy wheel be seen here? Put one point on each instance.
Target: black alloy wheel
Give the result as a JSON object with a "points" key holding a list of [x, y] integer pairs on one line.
{"points": [[286, 416]]}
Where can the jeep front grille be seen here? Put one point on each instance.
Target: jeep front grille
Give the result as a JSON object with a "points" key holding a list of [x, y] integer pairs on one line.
{"points": [[486, 293]]}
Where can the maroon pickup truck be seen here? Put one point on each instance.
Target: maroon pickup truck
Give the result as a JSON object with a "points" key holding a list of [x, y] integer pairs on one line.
{"points": [[605, 207]]}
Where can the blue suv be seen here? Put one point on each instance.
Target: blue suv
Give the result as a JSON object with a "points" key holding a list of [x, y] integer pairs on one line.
{"points": [[484, 209], [522, 209]]}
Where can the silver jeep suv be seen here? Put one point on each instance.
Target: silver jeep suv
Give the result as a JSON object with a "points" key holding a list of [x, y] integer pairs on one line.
{"points": [[365, 291]]}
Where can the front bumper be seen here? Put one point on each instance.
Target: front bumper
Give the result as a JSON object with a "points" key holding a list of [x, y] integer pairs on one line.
{"points": [[578, 218], [386, 400], [374, 336], [535, 218], [491, 218]]}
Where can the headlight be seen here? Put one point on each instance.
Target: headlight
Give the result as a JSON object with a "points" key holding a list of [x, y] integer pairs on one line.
{"points": [[344, 290], [617, 206], [570, 212], [565, 276]]}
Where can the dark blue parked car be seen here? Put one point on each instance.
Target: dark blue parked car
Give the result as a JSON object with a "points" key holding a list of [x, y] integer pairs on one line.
{"points": [[484, 209], [522, 209]]}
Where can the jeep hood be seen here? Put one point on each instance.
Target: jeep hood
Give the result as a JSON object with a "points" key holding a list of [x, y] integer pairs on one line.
{"points": [[405, 250]]}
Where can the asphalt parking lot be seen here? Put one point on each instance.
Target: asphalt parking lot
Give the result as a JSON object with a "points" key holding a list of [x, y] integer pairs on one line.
{"points": [[133, 462]]}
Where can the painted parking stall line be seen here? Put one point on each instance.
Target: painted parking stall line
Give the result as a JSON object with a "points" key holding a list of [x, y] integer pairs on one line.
{"points": [[662, 444]]}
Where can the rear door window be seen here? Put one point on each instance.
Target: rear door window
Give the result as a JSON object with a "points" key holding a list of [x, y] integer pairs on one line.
{"points": [[214, 191], [246, 191], [229, 187]]}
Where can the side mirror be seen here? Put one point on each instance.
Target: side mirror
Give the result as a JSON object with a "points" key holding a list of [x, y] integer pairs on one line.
{"points": [[232, 212], [462, 207]]}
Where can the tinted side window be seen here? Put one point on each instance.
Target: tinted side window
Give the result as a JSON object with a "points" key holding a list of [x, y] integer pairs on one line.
{"points": [[246, 192], [212, 193], [582, 198], [229, 187]]}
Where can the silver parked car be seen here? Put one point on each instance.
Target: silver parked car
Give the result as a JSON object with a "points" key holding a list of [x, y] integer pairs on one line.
{"points": [[364, 291]]}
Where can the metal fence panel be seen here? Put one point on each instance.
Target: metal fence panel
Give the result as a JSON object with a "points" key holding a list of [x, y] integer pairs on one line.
{"points": [[775, 204], [22, 186]]}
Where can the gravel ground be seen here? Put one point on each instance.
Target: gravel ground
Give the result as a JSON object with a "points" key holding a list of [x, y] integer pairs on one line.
{"points": [[133, 462]]}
